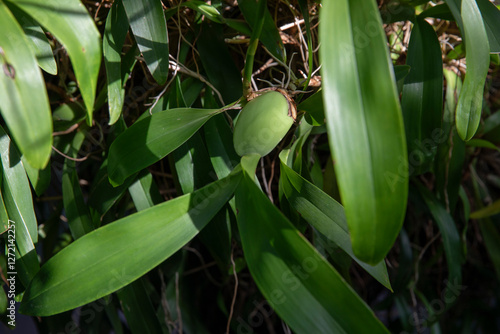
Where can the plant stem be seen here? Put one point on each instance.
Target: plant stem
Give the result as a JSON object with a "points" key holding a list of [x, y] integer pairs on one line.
{"points": [[252, 48]]}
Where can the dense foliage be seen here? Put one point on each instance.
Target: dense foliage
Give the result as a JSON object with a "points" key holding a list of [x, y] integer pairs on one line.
{"points": [[359, 194]]}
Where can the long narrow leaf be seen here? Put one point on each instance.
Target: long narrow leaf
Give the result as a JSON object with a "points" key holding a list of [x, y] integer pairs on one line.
{"points": [[270, 35], [115, 33], [39, 42], [491, 19], [299, 284], [449, 233], [326, 215], [365, 125], [17, 196], [23, 100], [152, 138], [72, 25], [470, 102], [149, 27], [80, 273], [422, 99]]}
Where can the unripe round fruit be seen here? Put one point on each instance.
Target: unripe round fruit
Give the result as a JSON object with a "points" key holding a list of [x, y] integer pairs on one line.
{"points": [[262, 124]]}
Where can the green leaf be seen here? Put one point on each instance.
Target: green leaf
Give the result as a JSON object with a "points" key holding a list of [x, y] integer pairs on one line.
{"points": [[75, 207], [449, 233], [314, 108], [17, 194], [67, 115], [270, 35], [72, 25], [24, 103], [17, 197], [215, 55], [152, 138], [149, 27], [326, 215], [365, 126], [488, 211], [134, 298], [482, 143], [103, 195], [470, 101], [115, 33], [219, 140], [298, 283], [422, 98], [81, 272], [491, 237], [205, 9], [138, 309], [491, 19], [144, 192], [441, 11], [40, 44], [39, 178]]}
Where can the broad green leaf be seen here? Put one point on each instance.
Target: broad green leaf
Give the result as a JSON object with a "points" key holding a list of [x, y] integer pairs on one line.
{"points": [[115, 33], [326, 215], [298, 283], [149, 27], [24, 104], [488, 211], [75, 207], [270, 35], [491, 19], [152, 138], [72, 25], [470, 101], [449, 233], [365, 125], [81, 272], [40, 44], [18, 202], [422, 98]]}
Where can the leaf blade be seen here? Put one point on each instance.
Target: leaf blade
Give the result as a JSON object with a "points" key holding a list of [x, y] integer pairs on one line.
{"points": [[368, 139], [152, 138], [71, 24], [167, 226], [149, 27], [25, 105]]}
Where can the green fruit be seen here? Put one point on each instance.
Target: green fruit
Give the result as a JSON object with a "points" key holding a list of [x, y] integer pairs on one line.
{"points": [[262, 124]]}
